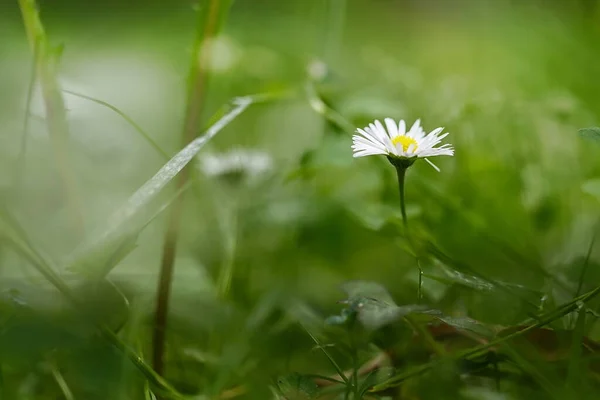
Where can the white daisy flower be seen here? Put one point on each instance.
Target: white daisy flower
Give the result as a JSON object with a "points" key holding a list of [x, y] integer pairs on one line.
{"points": [[237, 164], [395, 142]]}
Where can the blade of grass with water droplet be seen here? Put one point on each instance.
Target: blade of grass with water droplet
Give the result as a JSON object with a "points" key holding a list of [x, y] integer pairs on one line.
{"points": [[133, 215]]}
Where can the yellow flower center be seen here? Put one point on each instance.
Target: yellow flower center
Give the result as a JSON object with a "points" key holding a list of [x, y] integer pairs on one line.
{"points": [[405, 141]]}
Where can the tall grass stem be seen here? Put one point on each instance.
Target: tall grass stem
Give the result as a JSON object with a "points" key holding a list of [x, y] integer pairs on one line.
{"points": [[206, 29]]}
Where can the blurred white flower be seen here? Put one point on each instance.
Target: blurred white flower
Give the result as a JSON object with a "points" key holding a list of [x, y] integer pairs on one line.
{"points": [[223, 53], [237, 164], [399, 144], [317, 70]]}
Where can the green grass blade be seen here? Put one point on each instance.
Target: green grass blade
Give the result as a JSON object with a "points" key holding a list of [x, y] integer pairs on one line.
{"points": [[335, 365], [575, 357], [127, 118], [56, 114], [586, 264], [62, 383], [22, 157]]}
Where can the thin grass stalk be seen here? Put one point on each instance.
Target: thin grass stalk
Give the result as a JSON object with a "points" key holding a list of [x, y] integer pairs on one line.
{"points": [[56, 114], [207, 28], [336, 10], [22, 158]]}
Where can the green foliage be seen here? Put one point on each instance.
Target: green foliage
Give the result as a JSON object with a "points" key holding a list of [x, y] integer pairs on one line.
{"points": [[505, 234], [592, 187], [295, 386], [592, 134]]}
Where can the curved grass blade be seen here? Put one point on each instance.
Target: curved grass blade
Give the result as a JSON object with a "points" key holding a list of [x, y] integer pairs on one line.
{"points": [[127, 118], [62, 383], [130, 218], [22, 157]]}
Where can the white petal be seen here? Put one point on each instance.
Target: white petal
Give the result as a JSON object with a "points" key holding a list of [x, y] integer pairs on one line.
{"points": [[392, 128], [367, 152], [369, 135], [402, 128], [415, 126], [380, 134], [364, 147], [443, 136], [416, 131], [379, 126], [433, 165], [362, 140], [418, 135], [436, 152], [436, 131]]}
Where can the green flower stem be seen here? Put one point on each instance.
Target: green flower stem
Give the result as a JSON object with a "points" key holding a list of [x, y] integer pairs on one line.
{"points": [[401, 172], [230, 233]]}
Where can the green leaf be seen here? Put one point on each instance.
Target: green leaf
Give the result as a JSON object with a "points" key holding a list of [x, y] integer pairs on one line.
{"points": [[346, 317], [295, 386], [374, 305], [464, 324], [337, 320], [592, 187], [467, 324], [373, 290], [461, 278], [592, 133]]}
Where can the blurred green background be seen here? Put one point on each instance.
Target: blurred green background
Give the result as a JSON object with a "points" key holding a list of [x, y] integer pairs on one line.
{"points": [[512, 81]]}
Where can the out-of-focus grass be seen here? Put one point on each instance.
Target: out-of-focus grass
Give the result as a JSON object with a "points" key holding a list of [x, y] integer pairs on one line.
{"points": [[512, 83]]}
